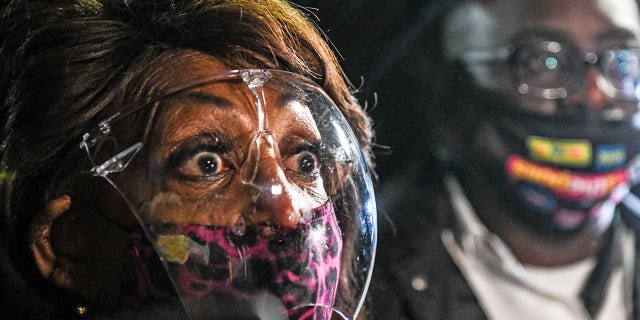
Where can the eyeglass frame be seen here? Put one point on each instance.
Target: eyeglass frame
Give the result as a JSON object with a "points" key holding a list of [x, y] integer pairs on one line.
{"points": [[506, 53]]}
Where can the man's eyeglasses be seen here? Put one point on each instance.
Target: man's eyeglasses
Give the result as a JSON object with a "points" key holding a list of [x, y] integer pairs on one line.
{"points": [[552, 70]]}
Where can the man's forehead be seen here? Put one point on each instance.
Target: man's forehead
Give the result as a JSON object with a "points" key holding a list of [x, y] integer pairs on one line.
{"points": [[624, 12], [477, 24], [474, 25]]}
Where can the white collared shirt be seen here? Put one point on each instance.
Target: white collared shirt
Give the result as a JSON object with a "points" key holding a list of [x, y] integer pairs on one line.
{"points": [[507, 289]]}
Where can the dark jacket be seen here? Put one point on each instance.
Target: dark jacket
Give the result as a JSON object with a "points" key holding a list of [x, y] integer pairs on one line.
{"points": [[414, 276]]}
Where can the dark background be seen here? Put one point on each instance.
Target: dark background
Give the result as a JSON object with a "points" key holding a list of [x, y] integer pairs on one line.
{"points": [[385, 49]]}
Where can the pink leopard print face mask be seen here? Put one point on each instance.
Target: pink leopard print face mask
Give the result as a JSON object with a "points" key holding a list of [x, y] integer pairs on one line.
{"points": [[260, 272]]}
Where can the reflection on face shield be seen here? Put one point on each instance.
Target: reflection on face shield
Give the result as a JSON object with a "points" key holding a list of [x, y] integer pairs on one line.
{"points": [[244, 169]]}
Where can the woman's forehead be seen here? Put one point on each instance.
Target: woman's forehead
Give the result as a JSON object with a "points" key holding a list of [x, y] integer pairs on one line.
{"points": [[184, 66], [229, 108]]}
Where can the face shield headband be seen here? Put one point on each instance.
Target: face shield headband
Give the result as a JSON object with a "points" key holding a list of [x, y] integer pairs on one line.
{"points": [[255, 197]]}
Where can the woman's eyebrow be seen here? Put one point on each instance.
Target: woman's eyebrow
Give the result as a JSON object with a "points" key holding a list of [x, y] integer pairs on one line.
{"points": [[202, 97], [285, 99]]}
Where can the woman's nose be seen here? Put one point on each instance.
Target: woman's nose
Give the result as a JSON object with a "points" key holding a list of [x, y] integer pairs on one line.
{"points": [[276, 201]]}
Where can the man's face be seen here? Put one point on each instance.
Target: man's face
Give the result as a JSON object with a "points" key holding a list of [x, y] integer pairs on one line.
{"points": [[582, 30], [559, 126]]}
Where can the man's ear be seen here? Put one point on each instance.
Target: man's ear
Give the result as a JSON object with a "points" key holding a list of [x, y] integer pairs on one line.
{"points": [[40, 241]]}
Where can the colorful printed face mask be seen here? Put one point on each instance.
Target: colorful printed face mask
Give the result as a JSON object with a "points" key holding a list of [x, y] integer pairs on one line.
{"points": [[559, 173], [295, 270]]}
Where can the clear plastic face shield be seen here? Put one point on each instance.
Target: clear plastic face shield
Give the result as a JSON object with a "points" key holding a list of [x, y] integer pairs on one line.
{"points": [[251, 188]]}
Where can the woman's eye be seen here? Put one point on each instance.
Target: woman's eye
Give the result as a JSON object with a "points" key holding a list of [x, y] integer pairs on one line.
{"points": [[203, 164], [304, 162]]}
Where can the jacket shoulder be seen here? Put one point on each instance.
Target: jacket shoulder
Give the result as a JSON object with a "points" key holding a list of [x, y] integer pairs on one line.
{"points": [[414, 277]]}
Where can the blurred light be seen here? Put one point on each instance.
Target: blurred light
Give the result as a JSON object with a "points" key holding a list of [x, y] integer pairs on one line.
{"points": [[276, 189], [554, 47], [624, 67]]}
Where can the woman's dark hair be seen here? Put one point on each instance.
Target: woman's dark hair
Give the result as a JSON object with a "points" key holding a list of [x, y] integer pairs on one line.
{"points": [[68, 64]]}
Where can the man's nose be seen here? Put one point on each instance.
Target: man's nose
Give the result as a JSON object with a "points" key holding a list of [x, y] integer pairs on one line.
{"points": [[591, 94]]}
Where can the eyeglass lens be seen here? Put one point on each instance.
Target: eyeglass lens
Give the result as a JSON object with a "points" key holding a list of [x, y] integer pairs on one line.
{"points": [[550, 65]]}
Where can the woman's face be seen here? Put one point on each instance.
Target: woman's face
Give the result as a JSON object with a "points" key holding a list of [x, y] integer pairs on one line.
{"points": [[212, 165], [228, 188]]}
